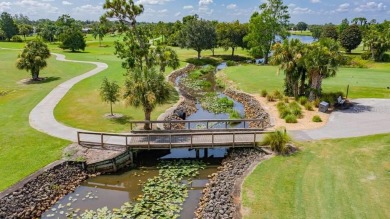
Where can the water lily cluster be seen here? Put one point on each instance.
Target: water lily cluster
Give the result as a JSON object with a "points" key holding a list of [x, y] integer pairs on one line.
{"points": [[162, 197]]}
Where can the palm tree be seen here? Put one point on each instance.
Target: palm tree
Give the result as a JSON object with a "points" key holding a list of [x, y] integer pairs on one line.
{"points": [[321, 61], [33, 58], [289, 57], [147, 88]]}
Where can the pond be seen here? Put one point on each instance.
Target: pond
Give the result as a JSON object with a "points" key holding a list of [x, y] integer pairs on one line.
{"points": [[112, 191]]}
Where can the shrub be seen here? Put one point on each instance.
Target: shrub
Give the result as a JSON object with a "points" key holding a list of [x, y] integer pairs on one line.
{"points": [[309, 106], [270, 97], [277, 141], [203, 61], [317, 119], [291, 119], [277, 94], [303, 100], [234, 114], [317, 102], [264, 93], [366, 55], [286, 100], [16, 38], [358, 63], [230, 63]]}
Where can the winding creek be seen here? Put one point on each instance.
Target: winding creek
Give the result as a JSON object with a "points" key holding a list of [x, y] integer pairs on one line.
{"points": [[113, 190]]}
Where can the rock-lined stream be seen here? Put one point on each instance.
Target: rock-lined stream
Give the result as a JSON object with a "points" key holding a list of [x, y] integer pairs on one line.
{"points": [[112, 191]]}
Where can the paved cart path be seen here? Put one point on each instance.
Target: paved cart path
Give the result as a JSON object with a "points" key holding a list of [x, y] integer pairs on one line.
{"points": [[366, 117]]}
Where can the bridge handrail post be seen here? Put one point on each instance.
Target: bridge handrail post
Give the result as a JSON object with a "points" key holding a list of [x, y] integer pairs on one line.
{"points": [[254, 139], [189, 125], [126, 140], [170, 141], [244, 124], [234, 139], [131, 126], [207, 125], [101, 140], [212, 140], [149, 142], [192, 140], [78, 138]]}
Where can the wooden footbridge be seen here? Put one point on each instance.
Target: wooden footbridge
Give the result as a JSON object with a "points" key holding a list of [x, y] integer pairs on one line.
{"points": [[210, 135]]}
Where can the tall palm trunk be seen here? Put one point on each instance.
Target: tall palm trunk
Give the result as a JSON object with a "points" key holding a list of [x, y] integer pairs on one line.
{"points": [[147, 119], [316, 81]]}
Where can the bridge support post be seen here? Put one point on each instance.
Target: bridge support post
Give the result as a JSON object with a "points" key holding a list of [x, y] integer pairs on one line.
{"points": [[206, 153], [197, 153]]}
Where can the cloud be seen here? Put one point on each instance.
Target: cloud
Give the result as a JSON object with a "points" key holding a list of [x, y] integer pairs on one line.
{"points": [[231, 6], [36, 6], [294, 9], [177, 14], [343, 7], [315, 1], [90, 9], [371, 6], [188, 7], [205, 2], [67, 3], [163, 11], [5, 6], [152, 2]]}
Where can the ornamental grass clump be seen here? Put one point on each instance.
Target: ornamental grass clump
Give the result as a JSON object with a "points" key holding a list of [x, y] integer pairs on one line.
{"points": [[264, 93], [309, 106], [291, 119], [277, 141], [317, 119], [303, 100]]}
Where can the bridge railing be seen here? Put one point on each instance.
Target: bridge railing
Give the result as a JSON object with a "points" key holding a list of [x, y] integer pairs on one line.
{"points": [[173, 140], [207, 124]]}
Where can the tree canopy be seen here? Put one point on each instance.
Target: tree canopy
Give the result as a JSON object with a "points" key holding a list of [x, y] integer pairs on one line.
{"points": [[272, 21], [198, 34], [351, 38], [33, 58], [8, 26], [145, 83], [231, 35]]}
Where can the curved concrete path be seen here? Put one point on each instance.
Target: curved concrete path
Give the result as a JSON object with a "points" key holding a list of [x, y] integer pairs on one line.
{"points": [[366, 117], [42, 116]]}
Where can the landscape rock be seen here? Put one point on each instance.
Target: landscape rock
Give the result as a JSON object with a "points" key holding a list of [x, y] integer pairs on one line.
{"points": [[253, 109], [39, 194], [218, 199]]}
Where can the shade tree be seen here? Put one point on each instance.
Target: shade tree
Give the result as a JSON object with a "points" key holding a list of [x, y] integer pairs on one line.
{"points": [[8, 26], [145, 85], [351, 38], [33, 58], [231, 35], [264, 27]]}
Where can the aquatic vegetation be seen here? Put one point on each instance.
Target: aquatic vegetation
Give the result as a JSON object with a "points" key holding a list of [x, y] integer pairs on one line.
{"points": [[162, 196], [212, 103]]}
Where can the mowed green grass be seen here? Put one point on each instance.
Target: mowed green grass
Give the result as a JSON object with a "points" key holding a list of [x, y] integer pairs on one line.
{"points": [[83, 108], [347, 178], [23, 150], [364, 82]]}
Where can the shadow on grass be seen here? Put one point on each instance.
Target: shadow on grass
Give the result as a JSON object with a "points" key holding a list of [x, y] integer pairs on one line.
{"points": [[40, 80], [236, 58], [123, 120], [203, 61]]}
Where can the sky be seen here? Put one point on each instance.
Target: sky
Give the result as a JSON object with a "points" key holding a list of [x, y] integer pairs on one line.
{"points": [[309, 11]]}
